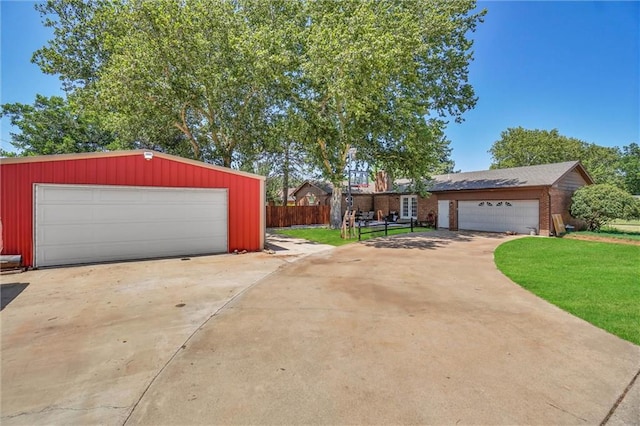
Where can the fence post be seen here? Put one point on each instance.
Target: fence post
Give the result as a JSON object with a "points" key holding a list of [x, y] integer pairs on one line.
{"points": [[385, 227], [359, 233], [411, 220]]}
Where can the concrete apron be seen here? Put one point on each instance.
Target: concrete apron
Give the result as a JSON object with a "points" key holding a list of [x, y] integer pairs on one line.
{"points": [[406, 330], [80, 345]]}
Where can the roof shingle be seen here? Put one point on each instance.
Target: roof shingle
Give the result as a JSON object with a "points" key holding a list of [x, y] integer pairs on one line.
{"points": [[516, 177]]}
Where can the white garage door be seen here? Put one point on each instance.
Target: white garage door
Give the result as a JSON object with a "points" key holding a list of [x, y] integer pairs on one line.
{"points": [[499, 216], [86, 223]]}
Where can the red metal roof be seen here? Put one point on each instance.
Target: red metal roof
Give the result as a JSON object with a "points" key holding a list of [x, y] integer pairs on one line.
{"points": [[106, 154]]}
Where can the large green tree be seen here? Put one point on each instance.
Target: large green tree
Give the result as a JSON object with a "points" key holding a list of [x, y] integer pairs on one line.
{"points": [[52, 125], [525, 147], [379, 77]]}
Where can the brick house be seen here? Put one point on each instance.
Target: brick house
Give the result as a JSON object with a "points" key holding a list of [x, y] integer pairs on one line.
{"points": [[520, 199]]}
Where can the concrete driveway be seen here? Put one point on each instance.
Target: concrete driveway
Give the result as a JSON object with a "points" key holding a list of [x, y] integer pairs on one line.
{"points": [[417, 329], [80, 345]]}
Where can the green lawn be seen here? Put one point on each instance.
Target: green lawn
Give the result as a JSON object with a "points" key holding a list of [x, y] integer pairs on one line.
{"points": [[332, 236], [598, 282]]}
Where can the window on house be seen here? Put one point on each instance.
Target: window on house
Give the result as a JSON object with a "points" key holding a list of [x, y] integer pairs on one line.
{"points": [[408, 207]]}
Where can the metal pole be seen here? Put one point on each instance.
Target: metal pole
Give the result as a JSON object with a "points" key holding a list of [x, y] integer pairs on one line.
{"points": [[351, 157]]}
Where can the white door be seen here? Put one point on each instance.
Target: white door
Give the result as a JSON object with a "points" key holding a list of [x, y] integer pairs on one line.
{"points": [[408, 207], [499, 215], [443, 214], [86, 223]]}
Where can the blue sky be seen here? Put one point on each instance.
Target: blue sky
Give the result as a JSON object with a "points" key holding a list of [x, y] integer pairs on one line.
{"points": [[573, 66]]}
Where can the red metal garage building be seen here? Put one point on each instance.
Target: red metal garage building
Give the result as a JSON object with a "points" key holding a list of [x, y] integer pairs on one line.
{"points": [[83, 208]]}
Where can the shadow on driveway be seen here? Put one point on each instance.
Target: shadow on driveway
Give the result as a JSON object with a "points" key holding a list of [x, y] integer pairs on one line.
{"points": [[10, 291], [428, 240]]}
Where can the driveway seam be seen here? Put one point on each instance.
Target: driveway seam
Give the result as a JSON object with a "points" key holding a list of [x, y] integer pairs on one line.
{"points": [[620, 399], [183, 346]]}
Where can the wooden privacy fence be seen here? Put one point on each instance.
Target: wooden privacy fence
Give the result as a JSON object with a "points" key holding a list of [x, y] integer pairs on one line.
{"points": [[283, 216]]}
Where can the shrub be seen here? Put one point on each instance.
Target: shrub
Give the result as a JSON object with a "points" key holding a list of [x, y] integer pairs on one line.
{"points": [[599, 204]]}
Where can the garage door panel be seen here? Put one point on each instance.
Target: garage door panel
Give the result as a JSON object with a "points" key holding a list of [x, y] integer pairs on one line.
{"points": [[498, 216], [65, 214], [78, 234], [66, 196], [137, 213], [140, 213], [120, 223], [110, 195], [87, 253], [195, 198]]}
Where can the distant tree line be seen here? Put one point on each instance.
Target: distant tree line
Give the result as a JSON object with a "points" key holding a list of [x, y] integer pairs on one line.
{"points": [[616, 166]]}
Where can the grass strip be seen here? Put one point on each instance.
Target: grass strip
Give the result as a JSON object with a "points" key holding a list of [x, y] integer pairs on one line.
{"points": [[332, 236]]}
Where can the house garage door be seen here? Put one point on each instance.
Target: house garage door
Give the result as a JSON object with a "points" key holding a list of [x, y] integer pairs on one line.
{"points": [[499, 216], [82, 223]]}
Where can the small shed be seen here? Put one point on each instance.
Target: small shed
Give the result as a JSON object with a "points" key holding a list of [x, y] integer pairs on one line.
{"points": [[111, 206]]}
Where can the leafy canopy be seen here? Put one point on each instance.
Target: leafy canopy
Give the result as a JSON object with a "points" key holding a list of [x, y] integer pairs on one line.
{"points": [[55, 126]]}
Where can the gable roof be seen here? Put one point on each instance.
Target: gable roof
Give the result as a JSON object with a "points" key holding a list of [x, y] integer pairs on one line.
{"points": [[516, 177], [322, 186], [107, 154]]}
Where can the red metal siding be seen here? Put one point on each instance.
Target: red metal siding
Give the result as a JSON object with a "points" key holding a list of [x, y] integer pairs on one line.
{"points": [[16, 193]]}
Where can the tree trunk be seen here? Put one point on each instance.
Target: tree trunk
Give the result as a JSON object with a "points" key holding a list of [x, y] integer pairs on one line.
{"points": [[285, 178], [226, 161], [336, 207]]}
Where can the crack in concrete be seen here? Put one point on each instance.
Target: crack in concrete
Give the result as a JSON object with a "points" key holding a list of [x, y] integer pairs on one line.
{"points": [[184, 345], [565, 411], [50, 408], [620, 399]]}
